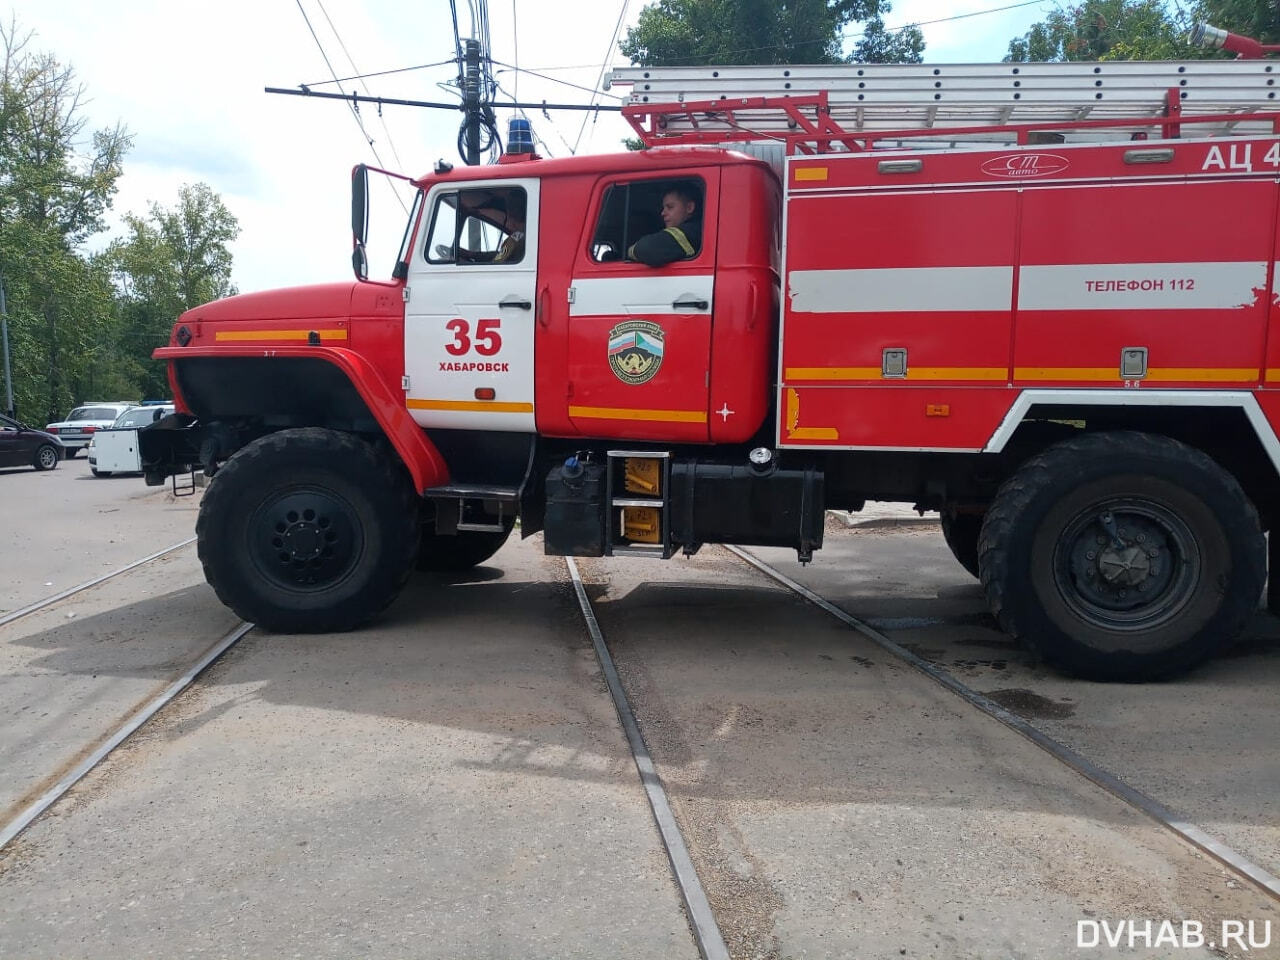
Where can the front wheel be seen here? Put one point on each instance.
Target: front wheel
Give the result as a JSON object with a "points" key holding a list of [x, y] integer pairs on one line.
{"points": [[1122, 556], [46, 457], [307, 531]]}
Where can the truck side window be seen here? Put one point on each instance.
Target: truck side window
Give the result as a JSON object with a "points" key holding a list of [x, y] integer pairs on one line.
{"points": [[631, 211], [485, 225]]}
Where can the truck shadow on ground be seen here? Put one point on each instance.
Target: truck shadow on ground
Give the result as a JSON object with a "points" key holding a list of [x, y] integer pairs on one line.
{"points": [[743, 692]]}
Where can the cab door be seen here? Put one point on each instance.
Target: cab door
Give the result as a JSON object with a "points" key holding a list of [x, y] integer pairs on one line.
{"points": [[639, 337], [469, 320]]}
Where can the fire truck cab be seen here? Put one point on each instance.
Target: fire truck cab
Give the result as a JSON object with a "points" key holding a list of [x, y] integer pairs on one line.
{"points": [[1041, 302]]}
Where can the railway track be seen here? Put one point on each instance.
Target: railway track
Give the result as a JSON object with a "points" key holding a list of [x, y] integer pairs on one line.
{"points": [[1236, 862], [15, 615], [680, 847], [702, 914], [92, 753]]}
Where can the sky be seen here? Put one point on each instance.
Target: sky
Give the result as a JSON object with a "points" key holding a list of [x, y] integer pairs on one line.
{"points": [[187, 80]]}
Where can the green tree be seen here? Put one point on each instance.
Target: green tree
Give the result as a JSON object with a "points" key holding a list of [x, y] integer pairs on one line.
{"points": [[1141, 30], [53, 195], [1259, 19], [879, 45], [1106, 30], [701, 32], [172, 260]]}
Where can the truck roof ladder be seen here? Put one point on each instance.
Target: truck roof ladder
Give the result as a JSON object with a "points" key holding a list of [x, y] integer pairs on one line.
{"points": [[818, 109]]}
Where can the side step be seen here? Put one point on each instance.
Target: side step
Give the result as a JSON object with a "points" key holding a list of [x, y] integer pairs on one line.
{"points": [[472, 513], [474, 491]]}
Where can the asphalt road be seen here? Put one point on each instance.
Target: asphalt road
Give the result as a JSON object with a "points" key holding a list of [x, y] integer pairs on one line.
{"points": [[65, 526], [451, 781]]}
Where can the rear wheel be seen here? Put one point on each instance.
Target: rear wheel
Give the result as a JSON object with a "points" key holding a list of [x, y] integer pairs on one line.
{"points": [[308, 531], [450, 554], [1122, 556], [46, 457], [961, 530]]}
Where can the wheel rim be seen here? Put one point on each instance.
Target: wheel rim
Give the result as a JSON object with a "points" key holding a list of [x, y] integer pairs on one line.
{"points": [[1127, 565], [306, 540], [48, 457]]}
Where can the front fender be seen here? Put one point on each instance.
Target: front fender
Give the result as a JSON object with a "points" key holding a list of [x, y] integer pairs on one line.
{"points": [[420, 456]]}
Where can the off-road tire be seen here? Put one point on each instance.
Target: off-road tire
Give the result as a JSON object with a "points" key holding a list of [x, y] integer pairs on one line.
{"points": [[307, 531], [961, 531], [440, 553], [46, 457], [1202, 541]]}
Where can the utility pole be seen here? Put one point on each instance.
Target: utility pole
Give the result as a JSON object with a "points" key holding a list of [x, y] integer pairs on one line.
{"points": [[471, 103], [8, 376]]}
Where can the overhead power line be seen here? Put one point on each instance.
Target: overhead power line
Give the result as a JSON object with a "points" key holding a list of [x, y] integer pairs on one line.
{"points": [[958, 16], [385, 129], [576, 86], [355, 109], [604, 65], [381, 73], [398, 102]]}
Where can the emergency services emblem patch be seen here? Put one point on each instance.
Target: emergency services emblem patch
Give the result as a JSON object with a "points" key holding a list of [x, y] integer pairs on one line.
{"points": [[635, 351]]}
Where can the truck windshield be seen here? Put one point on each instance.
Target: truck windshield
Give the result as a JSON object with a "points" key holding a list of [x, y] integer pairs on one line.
{"points": [[402, 258]]}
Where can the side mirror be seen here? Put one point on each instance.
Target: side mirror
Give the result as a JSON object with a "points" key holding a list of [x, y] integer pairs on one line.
{"points": [[360, 204], [359, 219]]}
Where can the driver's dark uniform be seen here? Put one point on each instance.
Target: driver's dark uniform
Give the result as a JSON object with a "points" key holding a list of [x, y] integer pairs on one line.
{"points": [[669, 245]]}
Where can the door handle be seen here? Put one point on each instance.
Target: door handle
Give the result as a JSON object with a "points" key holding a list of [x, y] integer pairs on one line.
{"points": [[690, 305], [515, 302], [542, 317]]}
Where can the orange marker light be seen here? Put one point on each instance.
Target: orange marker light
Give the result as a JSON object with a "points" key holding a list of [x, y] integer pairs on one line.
{"points": [[937, 410]]}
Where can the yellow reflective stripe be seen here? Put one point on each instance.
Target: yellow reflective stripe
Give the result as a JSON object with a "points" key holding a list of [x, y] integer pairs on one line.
{"points": [[833, 373], [230, 335], [618, 413], [796, 432], [811, 173], [1160, 375], [913, 373], [471, 406], [681, 239], [1196, 373], [814, 433]]}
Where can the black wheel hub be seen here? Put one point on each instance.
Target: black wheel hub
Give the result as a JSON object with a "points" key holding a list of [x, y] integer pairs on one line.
{"points": [[305, 539], [1126, 564]]}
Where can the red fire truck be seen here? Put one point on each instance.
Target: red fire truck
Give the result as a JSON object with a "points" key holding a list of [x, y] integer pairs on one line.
{"points": [[1039, 298]]}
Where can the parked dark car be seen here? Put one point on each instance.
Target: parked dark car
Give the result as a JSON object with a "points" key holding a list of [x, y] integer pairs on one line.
{"points": [[23, 446]]}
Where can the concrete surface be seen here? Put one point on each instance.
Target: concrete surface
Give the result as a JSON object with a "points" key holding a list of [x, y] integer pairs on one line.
{"points": [[1203, 744], [839, 804], [65, 527], [451, 782]]}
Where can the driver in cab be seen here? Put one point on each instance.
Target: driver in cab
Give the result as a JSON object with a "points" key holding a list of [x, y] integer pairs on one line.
{"points": [[681, 235]]}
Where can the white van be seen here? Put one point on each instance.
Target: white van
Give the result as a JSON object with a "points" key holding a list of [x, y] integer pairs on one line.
{"points": [[115, 450]]}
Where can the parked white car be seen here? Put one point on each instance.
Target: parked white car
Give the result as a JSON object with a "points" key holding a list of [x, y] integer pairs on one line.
{"points": [[115, 449], [83, 422]]}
